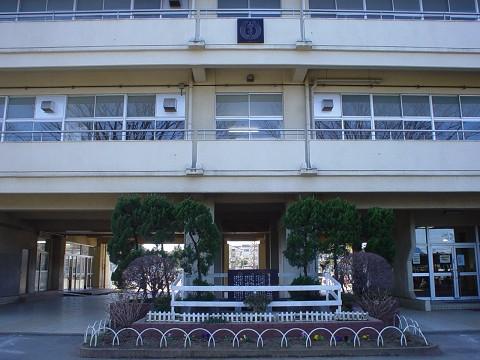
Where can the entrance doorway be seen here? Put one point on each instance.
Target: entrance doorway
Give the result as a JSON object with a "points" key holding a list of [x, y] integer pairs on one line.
{"points": [[78, 267], [445, 263], [245, 251], [454, 271]]}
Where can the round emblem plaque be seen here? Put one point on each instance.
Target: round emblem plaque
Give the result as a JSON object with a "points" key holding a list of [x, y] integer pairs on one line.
{"points": [[250, 30]]}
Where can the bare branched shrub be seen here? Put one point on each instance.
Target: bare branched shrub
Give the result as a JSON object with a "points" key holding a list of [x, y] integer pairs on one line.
{"points": [[151, 275], [370, 278], [125, 310], [380, 305], [371, 273]]}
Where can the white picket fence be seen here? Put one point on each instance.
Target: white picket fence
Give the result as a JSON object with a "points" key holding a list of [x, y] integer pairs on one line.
{"points": [[268, 317]]}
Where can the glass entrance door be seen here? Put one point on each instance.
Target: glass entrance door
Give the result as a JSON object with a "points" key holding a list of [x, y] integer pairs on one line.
{"points": [[454, 271], [443, 272], [466, 262]]}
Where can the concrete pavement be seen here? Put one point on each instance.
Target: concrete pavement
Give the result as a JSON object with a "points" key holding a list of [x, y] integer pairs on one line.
{"points": [[40, 347], [445, 320], [53, 314], [56, 314]]}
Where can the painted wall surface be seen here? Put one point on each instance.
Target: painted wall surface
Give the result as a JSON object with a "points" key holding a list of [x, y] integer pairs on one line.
{"points": [[13, 239], [371, 43]]}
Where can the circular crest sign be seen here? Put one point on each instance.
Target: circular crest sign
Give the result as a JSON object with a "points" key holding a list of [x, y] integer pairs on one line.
{"points": [[250, 30]]}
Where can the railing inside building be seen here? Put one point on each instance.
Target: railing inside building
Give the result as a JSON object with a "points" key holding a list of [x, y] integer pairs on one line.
{"points": [[241, 134], [63, 15]]}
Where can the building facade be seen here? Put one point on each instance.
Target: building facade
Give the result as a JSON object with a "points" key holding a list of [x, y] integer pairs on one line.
{"points": [[246, 106]]}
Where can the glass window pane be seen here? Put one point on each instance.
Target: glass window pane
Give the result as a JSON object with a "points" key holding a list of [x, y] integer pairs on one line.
{"points": [[414, 105], [265, 4], [139, 130], [412, 127], [8, 5], [446, 106], [78, 130], [232, 105], [357, 125], [165, 130], [470, 106], [271, 129], [89, 4], [109, 106], [80, 106], [232, 4], [420, 236], [406, 5], [386, 106], [33, 5], [420, 260], [394, 130], [462, 5], [448, 130], [234, 129], [21, 108], [379, 5], [435, 5], [116, 5], [141, 106], [266, 105], [356, 105], [441, 235], [2, 107], [328, 129], [421, 286], [471, 130], [18, 131], [350, 4], [322, 4], [147, 4], [50, 131], [108, 130], [59, 5]]}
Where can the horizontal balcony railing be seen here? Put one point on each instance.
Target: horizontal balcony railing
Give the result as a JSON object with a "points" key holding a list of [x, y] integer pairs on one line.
{"points": [[235, 13], [238, 134]]}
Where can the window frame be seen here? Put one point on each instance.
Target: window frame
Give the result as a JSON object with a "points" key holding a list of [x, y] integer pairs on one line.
{"points": [[249, 118]]}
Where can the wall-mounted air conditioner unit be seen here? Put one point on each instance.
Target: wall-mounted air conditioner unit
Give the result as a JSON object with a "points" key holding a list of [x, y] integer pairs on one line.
{"points": [[170, 104]]}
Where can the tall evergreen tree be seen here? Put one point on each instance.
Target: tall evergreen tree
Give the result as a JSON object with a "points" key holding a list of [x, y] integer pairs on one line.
{"points": [[202, 237]]}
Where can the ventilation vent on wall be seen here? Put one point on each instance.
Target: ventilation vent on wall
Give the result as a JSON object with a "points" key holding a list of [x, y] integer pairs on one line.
{"points": [[175, 3], [170, 104], [48, 106], [327, 104]]}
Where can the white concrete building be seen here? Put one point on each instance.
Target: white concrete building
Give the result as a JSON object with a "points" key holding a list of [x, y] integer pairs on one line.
{"points": [[375, 101]]}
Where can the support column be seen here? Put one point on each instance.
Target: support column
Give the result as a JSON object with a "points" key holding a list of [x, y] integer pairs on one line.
{"points": [[57, 253]]}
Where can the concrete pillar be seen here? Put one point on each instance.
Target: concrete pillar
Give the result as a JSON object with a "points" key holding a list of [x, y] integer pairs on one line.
{"points": [[57, 259], [404, 247]]}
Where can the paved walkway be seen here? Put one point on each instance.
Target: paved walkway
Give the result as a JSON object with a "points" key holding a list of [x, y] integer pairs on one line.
{"points": [[56, 314], [53, 314], [445, 320]]}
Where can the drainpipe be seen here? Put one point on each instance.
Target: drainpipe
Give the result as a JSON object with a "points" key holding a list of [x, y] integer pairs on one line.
{"points": [[190, 125], [308, 121]]}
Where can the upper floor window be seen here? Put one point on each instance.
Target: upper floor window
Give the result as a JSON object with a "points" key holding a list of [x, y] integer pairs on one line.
{"points": [[21, 124], [409, 117], [246, 116], [86, 8], [389, 9], [249, 4]]}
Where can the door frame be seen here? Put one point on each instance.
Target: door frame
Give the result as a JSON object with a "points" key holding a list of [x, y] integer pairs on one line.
{"points": [[455, 274]]}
